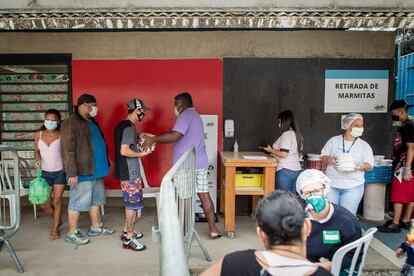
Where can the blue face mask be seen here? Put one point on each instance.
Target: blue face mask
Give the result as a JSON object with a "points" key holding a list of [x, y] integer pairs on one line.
{"points": [[316, 203], [50, 125]]}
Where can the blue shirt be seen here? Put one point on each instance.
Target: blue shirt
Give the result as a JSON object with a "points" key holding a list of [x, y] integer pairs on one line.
{"points": [[100, 158], [410, 253]]}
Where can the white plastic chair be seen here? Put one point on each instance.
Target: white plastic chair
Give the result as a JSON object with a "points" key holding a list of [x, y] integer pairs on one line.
{"points": [[5, 167], [148, 191], [362, 243]]}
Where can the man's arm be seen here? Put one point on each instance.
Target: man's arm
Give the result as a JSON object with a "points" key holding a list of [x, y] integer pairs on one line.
{"points": [[410, 155], [166, 138], [68, 144], [128, 152]]}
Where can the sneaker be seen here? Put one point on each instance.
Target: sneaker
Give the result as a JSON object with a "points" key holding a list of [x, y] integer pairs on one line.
{"points": [[100, 231], [76, 238], [133, 244], [389, 228], [137, 235]]}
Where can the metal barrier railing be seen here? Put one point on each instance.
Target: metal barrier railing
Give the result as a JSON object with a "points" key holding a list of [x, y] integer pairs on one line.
{"points": [[9, 202], [176, 216]]}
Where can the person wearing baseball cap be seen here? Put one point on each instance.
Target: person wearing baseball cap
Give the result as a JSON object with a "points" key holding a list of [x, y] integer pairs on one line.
{"points": [[127, 170], [86, 163], [402, 188], [332, 225]]}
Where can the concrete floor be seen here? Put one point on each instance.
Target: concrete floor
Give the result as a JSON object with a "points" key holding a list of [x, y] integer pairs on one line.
{"points": [[104, 255]]}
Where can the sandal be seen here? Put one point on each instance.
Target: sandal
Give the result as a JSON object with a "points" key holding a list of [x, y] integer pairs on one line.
{"points": [[214, 236], [54, 236]]}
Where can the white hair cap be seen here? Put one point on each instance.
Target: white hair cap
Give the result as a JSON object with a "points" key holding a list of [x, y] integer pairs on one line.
{"points": [[312, 177], [347, 120]]}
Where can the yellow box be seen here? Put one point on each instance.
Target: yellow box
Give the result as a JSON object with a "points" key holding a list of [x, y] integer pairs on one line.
{"points": [[249, 180]]}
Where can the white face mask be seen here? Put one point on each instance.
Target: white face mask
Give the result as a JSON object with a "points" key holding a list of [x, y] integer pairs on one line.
{"points": [[50, 125], [176, 112], [93, 112], [357, 132]]}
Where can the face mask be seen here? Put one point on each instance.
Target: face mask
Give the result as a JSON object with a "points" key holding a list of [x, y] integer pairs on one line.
{"points": [[93, 112], [357, 131], [176, 112], [50, 125], [395, 118], [316, 203], [140, 116]]}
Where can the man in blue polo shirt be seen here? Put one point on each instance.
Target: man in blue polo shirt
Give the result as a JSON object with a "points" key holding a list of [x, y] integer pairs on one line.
{"points": [[86, 163]]}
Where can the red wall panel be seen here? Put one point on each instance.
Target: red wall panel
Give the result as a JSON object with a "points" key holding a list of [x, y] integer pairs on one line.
{"points": [[156, 82]]}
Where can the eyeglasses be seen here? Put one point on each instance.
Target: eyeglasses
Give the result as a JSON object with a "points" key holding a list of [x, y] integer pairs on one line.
{"points": [[318, 191]]}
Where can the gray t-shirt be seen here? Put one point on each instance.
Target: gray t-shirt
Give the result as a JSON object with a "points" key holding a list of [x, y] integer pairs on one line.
{"points": [[126, 168], [129, 137]]}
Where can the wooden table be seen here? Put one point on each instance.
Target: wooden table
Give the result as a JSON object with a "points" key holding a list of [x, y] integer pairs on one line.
{"points": [[228, 191]]}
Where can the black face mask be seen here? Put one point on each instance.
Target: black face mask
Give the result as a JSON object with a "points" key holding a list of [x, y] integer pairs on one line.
{"points": [[395, 118], [140, 116]]}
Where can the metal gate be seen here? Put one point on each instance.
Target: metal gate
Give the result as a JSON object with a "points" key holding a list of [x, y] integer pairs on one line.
{"points": [[405, 75]]}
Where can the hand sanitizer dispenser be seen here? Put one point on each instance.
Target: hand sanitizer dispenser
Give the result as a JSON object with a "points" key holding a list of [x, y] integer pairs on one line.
{"points": [[235, 146], [228, 128]]}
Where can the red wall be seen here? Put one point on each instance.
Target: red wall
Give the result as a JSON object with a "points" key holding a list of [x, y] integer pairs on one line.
{"points": [[156, 82]]}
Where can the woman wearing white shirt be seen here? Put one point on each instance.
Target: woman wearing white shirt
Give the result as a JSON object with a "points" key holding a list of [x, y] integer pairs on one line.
{"points": [[347, 188], [287, 149]]}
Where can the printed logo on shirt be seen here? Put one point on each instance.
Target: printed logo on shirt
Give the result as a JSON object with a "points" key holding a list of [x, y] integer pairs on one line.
{"points": [[331, 237]]}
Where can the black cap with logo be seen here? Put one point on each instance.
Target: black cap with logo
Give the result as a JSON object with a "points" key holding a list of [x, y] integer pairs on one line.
{"points": [[137, 103]]}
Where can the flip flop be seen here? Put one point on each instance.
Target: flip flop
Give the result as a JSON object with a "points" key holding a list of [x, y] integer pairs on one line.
{"points": [[54, 236], [216, 236]]}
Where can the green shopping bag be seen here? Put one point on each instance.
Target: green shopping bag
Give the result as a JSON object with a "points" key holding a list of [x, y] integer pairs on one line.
{"points": [[39, 189]]}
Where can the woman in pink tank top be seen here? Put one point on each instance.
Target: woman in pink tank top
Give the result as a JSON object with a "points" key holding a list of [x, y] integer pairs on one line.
{"points": [[49, 157]]}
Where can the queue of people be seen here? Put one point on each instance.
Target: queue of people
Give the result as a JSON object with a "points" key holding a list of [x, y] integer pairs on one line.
{"points": [[74, 152]]}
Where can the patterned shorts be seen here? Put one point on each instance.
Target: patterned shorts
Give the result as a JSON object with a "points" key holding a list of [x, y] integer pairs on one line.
{"points": [[202, 181], [132, 191], [407, 270]]}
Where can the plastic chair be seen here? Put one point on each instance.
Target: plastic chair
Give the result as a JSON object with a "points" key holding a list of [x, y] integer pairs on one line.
{"points": [[362, 243], [148, 191], [10, 188], [5, 167]]}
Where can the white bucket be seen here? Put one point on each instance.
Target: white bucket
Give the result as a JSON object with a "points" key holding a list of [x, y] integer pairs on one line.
{"points": [[374, 201]]}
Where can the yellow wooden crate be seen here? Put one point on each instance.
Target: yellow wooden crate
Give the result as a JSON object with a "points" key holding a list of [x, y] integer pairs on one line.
{"points": [[249, 180]]}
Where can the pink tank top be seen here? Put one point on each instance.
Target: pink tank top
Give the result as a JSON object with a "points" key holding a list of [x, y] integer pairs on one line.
{"points": [[51, 155]]}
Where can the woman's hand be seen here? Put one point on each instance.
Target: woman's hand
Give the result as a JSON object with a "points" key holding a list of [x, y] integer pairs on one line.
{"points": [[269, 149], [399, 253], [38, 164], [332, 161]]}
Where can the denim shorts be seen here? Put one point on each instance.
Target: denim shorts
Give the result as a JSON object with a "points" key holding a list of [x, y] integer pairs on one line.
{"points": [[53, 178], [86, 194]]}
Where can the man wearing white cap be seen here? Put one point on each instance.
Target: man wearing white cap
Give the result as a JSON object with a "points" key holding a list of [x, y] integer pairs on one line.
{"points": [[332, 226], [348, 157]]}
